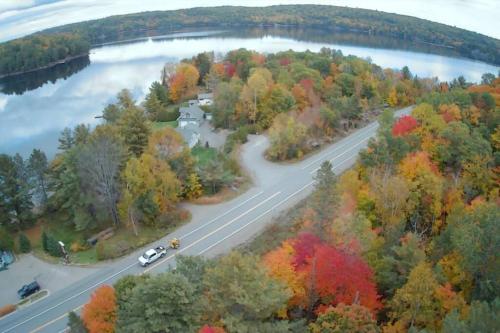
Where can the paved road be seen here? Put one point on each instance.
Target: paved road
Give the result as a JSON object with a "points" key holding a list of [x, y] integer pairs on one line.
{"points": [[212, 231]]}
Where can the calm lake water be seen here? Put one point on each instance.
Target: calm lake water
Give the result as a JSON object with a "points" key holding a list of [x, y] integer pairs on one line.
{"points": [[36, 107]]}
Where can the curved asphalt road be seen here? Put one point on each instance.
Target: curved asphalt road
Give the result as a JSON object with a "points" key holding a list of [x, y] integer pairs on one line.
{"points": [[212, 231]]}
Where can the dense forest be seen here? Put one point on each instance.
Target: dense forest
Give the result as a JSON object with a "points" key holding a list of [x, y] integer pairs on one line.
{"points": [[58, 43], [406, 241], [329, 18], [39, 51], [305, 99]]}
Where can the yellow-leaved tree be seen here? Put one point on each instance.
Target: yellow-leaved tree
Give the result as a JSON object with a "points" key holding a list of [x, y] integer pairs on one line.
{"points": [[151, 189]]}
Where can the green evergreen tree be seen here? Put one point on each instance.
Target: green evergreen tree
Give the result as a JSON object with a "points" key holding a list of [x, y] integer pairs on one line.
{"points": [[75, 323], [24, 243], [324, 198], [135, 129], [6, 241], [38, 168], [66, 140], [51, 245], [111, 113], [161, 93], [153, 106], [45, 241], [16, 204]]}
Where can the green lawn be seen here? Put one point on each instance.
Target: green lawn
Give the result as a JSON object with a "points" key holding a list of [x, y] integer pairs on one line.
{"points": [[157, 125], [204, 155]]}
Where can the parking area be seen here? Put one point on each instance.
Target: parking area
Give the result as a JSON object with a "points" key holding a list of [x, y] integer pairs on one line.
{"points": [[28, 268]]}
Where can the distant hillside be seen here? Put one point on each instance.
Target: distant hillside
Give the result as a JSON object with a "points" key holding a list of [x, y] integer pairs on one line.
{"points": [[331, 18]]}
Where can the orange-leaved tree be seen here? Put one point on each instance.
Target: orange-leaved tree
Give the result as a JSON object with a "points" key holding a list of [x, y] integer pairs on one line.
{"points": [[183, 82], [280, 265], [99, 314]]}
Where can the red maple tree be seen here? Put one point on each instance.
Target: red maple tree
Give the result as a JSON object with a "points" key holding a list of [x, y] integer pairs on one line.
{"points": [[404, 125], [340, 277], [304, 248], [211, 329]]}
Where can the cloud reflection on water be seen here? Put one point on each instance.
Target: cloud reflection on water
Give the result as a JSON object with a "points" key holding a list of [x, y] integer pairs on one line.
{"points": [[35, 119]]}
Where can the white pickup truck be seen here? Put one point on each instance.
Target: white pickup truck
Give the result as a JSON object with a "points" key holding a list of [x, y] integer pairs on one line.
{"points": [[152, 255]]}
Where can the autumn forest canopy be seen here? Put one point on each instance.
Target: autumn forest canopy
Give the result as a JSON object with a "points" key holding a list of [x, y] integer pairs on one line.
{"points": [[60, 43], [405, 241]]}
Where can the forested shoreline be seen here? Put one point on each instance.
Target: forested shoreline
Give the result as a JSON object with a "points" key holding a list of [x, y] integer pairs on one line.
{"points": [[37, 52], [53, 45]]}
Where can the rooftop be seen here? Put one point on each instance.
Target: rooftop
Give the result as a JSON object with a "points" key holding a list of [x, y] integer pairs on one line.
{"points": [[191, 112]]}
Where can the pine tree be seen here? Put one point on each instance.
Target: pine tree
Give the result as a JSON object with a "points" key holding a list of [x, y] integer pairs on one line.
{"points": [[38, 168], [24, 243], [324, 197], [45, 241], [135, 129], [16, 204], [75, 323], [66, 140], [153, 106]]}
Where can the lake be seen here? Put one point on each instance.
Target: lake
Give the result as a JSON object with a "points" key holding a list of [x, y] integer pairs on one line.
{"points": [[34, 108]]}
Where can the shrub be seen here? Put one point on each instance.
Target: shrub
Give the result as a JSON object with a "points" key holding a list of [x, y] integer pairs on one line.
{"points": [[50, 245], [169, 114], [78, 246], [6, 241], [45, 241], [4, 310], [240, 136], [24, 243], [100, 251], [253, 129], [75, 323]]}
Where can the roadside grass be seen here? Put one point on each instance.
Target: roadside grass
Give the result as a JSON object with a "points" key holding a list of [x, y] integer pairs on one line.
{"points": [[122, 242], [283, 227], [158, 125], [32, 298]]}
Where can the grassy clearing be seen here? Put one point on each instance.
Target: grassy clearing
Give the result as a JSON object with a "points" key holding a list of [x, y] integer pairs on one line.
{"points": [[158, 125], [204, 155]]}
